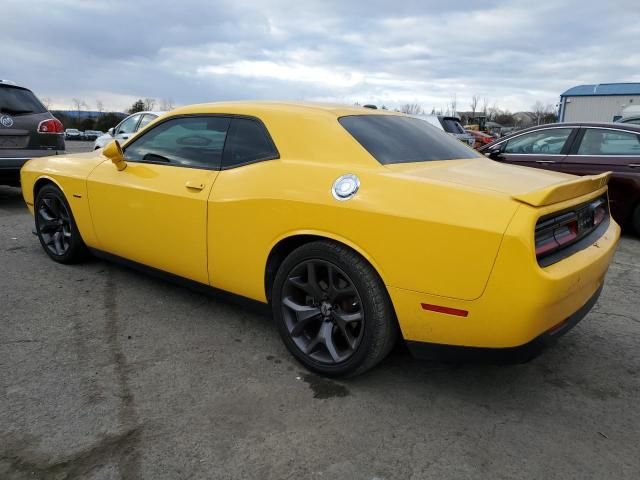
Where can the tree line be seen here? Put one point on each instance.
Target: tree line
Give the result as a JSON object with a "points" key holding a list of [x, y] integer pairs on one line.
{"points": [[103, 121]]}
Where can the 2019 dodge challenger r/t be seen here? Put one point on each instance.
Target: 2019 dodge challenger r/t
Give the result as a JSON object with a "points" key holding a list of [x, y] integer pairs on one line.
{"points": [[357, 226]]}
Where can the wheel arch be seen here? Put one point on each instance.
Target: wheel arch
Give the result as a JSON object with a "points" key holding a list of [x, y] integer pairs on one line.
{"points": [[41, 182], [286, 244]]}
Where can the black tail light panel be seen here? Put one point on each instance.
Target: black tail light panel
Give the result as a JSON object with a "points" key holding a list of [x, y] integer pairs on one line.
{"points": [[563, 233]]}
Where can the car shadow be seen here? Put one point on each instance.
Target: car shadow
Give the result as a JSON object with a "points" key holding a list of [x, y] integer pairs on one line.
{"points": [[11, 199]]}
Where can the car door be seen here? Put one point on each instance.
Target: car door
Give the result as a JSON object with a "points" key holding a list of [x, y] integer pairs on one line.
{"points": [[154, 212], [544, 148], [127, 128], [599, 150]]}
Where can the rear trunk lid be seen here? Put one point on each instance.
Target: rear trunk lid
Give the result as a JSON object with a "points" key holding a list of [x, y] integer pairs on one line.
{"points": [[527, 185]]}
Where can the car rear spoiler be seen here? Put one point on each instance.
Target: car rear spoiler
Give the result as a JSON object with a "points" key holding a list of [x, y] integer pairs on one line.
{"points": [[564, 191]]}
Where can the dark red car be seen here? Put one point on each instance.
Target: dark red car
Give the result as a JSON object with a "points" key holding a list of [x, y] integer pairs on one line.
{"points": [[582, 149], [480, 138]]}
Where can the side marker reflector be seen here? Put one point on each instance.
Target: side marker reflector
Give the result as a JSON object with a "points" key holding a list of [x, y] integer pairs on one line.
{"points": [[447, 310]]}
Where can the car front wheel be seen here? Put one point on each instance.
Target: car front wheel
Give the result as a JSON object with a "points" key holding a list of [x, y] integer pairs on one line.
{"points": [[332, 310], [56, 227]]}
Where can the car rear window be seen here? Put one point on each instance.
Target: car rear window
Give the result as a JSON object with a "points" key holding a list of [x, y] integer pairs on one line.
{"points": [[397, 139], [451, 125], [19, 101]]}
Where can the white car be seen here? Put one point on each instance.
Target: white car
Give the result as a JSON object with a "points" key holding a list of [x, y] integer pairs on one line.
{"points": [[126, 128], [451, 125]]}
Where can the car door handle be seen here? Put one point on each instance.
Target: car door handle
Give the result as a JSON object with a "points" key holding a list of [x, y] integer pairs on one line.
{"points": [[545, 161], [194, 185], [634, 165], [124, 137]]}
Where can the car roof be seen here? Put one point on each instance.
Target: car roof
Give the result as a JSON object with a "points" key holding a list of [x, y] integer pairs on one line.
{"points": [[619, 126], [278, 107]]}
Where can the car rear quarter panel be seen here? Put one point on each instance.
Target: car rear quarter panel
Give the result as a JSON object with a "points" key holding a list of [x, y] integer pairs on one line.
{"points": [[419, 235]]}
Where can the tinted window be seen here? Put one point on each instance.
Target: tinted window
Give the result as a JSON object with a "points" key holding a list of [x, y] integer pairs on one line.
{"points": [[248, 142], [396, 139], [128, 125], [549, 141], [191, 142], [609, 142], [18, 101], [451, 125], [146, 119]]}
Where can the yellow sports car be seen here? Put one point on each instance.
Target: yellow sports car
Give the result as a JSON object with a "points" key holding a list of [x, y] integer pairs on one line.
{"points": [[356, 225]]}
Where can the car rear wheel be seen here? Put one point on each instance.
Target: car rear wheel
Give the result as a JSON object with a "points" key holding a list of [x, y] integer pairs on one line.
{"points": [[332, 310], [56, 227]]}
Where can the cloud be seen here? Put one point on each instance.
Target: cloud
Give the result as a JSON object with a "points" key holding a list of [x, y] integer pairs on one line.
{"points": [[512, 52]]}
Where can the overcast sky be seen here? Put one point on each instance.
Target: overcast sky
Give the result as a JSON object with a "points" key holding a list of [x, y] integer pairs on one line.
{"points": [[388, 52]]}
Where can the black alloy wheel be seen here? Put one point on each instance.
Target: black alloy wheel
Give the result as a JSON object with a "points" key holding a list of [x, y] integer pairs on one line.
{"points": [[323, 311], [332, 309], [56, 227]]}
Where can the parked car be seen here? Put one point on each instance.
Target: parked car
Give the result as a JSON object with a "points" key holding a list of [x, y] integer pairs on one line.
{"points": [[480, 138], [451, 125], [92, 134], [73, 134], [582, 149], [634, 120], [27, 130], [126, 128], [355, 225]]}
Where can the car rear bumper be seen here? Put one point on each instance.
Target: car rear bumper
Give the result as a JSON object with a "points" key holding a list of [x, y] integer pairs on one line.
{"points": [[520, 354], [14, 159], [521, 300], [11, 161]]}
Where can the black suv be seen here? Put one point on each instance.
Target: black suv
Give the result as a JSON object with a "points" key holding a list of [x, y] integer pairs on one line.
{"points": [[27, 130]]}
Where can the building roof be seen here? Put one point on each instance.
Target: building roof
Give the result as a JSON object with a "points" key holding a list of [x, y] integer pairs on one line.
{"points": [[603, 89]]}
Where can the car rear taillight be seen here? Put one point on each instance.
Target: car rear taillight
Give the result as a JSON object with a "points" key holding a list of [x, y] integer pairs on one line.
{"points": [[53, 125], [557, 231]]}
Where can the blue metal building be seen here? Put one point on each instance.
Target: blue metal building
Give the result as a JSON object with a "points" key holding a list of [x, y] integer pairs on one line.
{"points": [[604, 102]]}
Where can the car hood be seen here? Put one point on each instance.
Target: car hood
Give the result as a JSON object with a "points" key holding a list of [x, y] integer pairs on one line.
{"points": [[529, 185]]}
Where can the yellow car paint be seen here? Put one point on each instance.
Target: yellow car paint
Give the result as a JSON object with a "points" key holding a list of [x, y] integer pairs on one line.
{"points": [[457, 233]]}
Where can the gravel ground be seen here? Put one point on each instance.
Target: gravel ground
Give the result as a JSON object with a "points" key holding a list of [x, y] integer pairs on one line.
{"points": [[106, 373]]}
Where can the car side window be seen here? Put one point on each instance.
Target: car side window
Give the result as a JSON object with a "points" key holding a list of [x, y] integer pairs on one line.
{"points": [[128, 125], [248, 142], [548, 141], [609, 142], [146, 120], [195, 142]]}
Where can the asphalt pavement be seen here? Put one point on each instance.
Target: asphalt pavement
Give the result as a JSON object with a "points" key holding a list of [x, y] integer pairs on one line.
{"points": [[106, 373]]}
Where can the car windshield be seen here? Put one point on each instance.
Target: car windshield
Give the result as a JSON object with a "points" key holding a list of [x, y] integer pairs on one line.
{"points": [[19, 101], [397, 139]]}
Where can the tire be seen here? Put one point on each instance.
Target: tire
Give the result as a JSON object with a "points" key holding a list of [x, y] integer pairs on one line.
{"points": [[635, 220], [56, 228], [339, 328]]}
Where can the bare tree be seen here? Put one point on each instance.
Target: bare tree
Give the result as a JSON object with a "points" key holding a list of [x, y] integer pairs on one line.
{"points": [[46, 101], [79, 105], [99, 106], [538, 109], [412, 109], [167, 104], [454, 105], [474, 105], [485, 106], [149, 103]]}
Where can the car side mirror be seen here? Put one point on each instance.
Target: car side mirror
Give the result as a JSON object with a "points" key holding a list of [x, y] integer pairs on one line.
{"points": [[113, 151], [111, 131], [494, 151]]}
